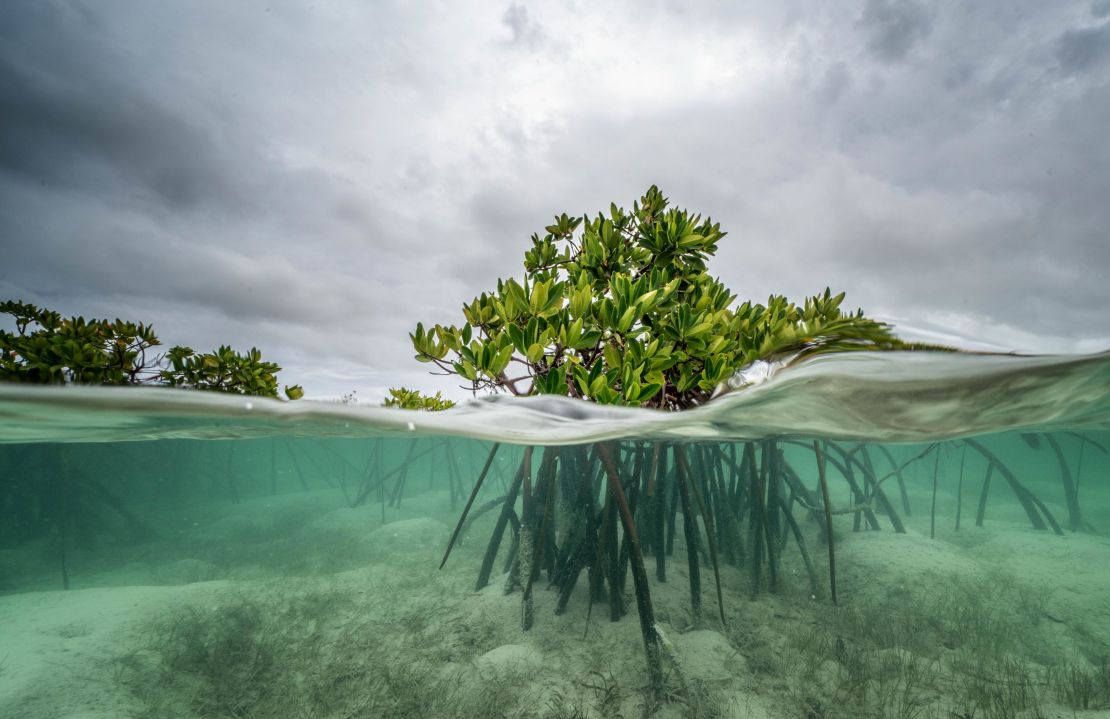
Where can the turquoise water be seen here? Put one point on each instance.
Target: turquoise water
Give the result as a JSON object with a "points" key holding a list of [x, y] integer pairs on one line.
{"points": [[171, 553]]}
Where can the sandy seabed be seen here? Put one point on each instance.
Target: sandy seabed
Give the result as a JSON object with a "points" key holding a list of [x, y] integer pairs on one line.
{"points": [[290, 606]]}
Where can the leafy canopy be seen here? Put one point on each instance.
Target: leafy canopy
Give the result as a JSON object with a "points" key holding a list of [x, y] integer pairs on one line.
{"points": [[621, 309], [49, 349], [404, 398]]}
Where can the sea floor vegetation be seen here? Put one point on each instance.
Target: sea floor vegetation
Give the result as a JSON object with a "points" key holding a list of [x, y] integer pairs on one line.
{"points": [[985, 623], [954, 645], [282, 580]]}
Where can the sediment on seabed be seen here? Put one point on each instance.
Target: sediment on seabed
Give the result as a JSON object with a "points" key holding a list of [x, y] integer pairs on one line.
{"points": [[258, 578]]}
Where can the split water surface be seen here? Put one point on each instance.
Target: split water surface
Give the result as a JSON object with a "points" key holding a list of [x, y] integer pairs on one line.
{"points": [[861, 536]]}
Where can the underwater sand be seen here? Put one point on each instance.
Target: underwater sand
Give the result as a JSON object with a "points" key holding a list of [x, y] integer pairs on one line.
{"points": [[396, 637]]}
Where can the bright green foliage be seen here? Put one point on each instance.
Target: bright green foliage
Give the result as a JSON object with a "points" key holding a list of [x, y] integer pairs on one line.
{"points": [[225, 370], [73, 350], [620, 309], [49, 349], [403, 398]]}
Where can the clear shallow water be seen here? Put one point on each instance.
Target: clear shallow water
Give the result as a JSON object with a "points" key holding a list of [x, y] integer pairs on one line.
{"points": [[179, 554]]}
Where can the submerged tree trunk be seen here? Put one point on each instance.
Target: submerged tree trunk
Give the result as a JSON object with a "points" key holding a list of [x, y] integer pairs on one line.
{"points": [[823, 480], [646, 611]]}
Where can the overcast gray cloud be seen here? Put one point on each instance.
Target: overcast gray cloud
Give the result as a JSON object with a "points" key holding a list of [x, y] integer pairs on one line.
{"points": [[316, 178]]}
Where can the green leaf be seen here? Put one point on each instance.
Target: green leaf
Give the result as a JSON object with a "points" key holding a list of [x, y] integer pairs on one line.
{"points": [[648, 391], [516, 336], [501, 361], [597, 384], [539, 297], [612, 356], [535, 353], [467, 370], [625, 322], [580, 302]]}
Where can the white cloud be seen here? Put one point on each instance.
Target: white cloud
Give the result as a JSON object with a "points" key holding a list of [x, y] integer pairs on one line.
{"points": [[316, 179]]}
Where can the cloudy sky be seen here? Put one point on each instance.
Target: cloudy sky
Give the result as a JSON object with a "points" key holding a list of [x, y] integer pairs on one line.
{"points": [[315, 177]]}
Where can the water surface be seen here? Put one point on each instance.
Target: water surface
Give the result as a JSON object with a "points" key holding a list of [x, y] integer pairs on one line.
{"points": [[178, 554]]}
